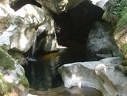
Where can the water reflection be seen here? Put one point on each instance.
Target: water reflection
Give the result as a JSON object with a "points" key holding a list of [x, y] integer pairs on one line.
{"points": [[42, 72], [62, 91]]}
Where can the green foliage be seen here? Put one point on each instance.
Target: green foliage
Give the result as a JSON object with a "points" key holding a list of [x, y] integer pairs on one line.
{"points": [[123, 21], [6, 60], [4, 86], [23, 80], [120, 7], [120, 10], [124, 48]]}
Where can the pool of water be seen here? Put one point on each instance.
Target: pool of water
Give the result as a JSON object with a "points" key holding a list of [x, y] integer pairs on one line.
{"points": [[62, 91], [44, 78]]}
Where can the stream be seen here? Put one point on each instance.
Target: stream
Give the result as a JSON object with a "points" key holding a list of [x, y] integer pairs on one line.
{"points": [[45, 80]]}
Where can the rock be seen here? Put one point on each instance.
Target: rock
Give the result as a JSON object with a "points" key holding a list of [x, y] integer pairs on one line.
{"points": [[12, 76], [22, 32], [31, 95], [120, 38], [101, 41], [46, 30], [109, 14], [17, 4], [5, 17], [59, 6], [116, 13], [19, 58], [74, 25], [100, 75], [100, 3]]}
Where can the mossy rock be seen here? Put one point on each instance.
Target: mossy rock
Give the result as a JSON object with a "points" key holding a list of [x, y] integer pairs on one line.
{"points": [[124, 63], [125, 69], [17, 56], [5, 87], [23, 80], [120, 68], [6, 60], [10, 68]]}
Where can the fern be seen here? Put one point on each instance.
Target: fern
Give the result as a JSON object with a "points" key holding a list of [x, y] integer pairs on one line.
{"points": [[123, 21], [120, 10], [120, 7]]}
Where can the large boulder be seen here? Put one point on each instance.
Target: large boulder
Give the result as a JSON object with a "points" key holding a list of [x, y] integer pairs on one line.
{"points": [[101, 41], [59, 6], [5, 17], [101, 75], [24, 27], [21, 33], [47, 39], [12, 76]]}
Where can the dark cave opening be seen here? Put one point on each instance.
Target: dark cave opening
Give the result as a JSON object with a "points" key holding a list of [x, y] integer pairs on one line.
{"points": [[72, 29], [73, 26]]}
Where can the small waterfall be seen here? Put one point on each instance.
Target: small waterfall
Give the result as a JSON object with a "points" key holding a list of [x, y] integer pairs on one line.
{"points": [[31, 52], [33, 49]]}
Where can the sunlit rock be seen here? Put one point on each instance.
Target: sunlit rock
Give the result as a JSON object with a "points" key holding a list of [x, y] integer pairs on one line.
{"points": [[22, 32], [121, 39], [100, 75], [5, 17], [59, 6], [49, 41], [100, 3], [12, 76], [101, 41]]}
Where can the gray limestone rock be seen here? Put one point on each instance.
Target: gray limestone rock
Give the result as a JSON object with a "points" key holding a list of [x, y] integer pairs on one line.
{"points": [[100, 75]]}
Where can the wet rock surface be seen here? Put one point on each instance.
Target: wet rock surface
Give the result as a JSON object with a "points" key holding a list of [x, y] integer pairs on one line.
{"points": [[62, 91], [100, 75]]}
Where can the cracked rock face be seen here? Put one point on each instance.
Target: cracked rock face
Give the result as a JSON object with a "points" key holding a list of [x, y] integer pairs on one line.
{"points": [[100, 75], [59, 6], [23, 29]]}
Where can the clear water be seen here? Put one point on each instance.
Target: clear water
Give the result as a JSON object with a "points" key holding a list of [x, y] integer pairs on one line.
{"points": [[45, 80], [62, 91]]}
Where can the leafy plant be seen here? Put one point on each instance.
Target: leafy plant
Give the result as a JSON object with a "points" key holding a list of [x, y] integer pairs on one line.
{"points": [[120, 9]]}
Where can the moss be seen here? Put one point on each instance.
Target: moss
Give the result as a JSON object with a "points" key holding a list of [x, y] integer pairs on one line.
{"points": [[125, 69], [23, 80], [15, 54], [120, 10], [4, 86], [124, 48], [123, 21], [124, 63], [6, 60], [119, 68]]}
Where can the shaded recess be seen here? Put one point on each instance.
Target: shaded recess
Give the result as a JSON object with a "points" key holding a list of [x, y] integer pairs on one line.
{"points": [[17, 4], [73, 26]]}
